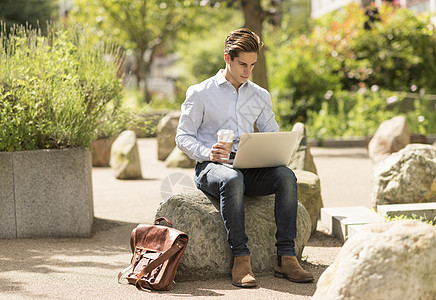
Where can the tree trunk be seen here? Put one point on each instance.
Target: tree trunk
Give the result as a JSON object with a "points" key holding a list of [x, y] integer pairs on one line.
{"points": [[141, 71], [254, 16]]}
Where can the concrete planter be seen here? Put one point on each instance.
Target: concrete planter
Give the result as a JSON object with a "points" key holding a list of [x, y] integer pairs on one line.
{"points": [[46, 193]]}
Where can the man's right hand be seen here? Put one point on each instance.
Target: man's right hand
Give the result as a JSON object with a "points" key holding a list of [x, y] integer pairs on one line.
{"points": [[219, 153]]}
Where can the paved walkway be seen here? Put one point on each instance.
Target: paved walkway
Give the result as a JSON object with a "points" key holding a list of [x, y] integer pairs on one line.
{"points": [[86, 268]]}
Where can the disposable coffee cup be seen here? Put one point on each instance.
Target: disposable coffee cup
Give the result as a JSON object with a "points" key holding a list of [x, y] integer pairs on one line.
{"points": [[225, 136]]}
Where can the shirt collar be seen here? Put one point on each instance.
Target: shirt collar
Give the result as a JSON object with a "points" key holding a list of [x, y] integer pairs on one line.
{"points": [[220, 79]]}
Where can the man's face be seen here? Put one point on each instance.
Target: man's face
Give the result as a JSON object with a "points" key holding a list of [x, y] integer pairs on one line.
{"points": [[239, 69]]}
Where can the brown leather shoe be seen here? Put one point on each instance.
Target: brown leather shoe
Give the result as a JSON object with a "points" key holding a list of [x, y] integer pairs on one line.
{"points": [[242, 276], [289, 268]]}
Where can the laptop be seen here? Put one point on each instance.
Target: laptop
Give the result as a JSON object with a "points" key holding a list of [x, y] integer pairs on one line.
{"points": [[265, 149]]}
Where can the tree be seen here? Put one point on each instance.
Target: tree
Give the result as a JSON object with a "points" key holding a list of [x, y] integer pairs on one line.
{"points": [[254, 16], [141, 25]]}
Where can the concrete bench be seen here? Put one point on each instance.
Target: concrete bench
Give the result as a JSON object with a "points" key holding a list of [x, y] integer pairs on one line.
{"points": [[338, 220]]}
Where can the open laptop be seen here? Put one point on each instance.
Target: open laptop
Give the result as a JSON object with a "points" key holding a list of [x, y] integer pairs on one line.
{"points": [[265, 149]]}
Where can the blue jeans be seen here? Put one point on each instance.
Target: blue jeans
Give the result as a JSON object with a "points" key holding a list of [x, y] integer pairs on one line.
{"points": [[229, 185]]}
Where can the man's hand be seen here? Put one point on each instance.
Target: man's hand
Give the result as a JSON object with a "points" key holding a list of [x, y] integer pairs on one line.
{"points": [[219, 153]]}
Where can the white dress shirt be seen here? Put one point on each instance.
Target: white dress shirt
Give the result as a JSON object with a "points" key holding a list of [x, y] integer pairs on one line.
{"points": [[215, 104]]}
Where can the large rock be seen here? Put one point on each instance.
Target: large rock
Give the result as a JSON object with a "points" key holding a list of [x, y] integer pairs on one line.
{"points": [[178, 159], [125, 160], [301, 158], [166, 134], [393, 260], [391, 136], [208, 253], [309, 194], [408, 176], [101, 152]]}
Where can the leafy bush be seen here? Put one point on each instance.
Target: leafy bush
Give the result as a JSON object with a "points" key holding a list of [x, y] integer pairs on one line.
{"points": [[360, 113], [57, 91], [338, 54], [300, 81], [394, 57]]}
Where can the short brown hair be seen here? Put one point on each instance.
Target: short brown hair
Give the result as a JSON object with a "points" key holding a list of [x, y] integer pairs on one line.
{"points": [[242, 40]]}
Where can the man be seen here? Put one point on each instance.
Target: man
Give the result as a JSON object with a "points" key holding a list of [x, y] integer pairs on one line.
{"points": [[230, 101]]}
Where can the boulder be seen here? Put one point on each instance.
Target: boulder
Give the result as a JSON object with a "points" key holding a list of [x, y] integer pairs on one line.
{"points": [[208, 253], [101, 152], [408, 176], [166, 134], [178, 159], [309, 194], [301, 158], [125, 160], [394, 260], [391, 136]]}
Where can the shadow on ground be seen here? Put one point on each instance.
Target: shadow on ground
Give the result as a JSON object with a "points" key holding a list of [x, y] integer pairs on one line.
{"points": [[45, 255]]}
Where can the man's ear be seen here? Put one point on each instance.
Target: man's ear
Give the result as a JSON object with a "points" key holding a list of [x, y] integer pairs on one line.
{"points": [[227, 58]]}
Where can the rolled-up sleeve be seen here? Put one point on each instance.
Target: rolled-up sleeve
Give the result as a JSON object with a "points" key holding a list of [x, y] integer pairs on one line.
{"points": [[190, 120]]}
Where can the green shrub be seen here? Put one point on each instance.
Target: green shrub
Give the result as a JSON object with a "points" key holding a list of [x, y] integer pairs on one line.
{"points": [[394, 57], [348, 114], [57, 91], [339, 55]]}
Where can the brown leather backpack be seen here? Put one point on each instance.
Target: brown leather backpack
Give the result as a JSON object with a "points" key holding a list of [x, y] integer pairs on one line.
{"points": [[157, 250]]}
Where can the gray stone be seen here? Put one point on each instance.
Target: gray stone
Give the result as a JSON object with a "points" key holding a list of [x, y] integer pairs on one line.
{"points": [[53, 193], [208, 253], [178, 159], [394, 260], [101, 152], [166, 134], [408, 176], [125, 160], [391, 136], [8, 227], [301, 158], [309, 194]]}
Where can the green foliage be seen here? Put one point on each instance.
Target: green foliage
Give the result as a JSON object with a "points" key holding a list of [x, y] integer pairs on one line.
{"points": [[202, 53], [135, 23], [57, 91], [300, 80], [394, 57], [339, 55], [414, 217], [348, 114], [142, 27]]}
